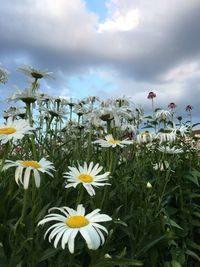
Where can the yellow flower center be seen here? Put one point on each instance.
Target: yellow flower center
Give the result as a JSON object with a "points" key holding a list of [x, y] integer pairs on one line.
{"points": [[30, 163], [114, 142], [145, 134], [86, 178], [7, 130], [77, 221]]}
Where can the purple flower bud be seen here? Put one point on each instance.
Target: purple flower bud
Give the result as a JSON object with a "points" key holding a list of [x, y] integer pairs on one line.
{"points": [[172, 105], [151, 95], [188, 108]]}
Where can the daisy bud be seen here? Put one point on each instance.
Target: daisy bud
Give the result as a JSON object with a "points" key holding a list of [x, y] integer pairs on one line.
{"points": [[107, 256], [149, 185]]}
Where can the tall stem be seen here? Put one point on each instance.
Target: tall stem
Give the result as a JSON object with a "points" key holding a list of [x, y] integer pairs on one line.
{"points": [[29, 116], [4, 156]]}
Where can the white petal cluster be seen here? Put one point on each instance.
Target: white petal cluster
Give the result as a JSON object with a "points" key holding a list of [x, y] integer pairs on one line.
{"points": [[111, 142], [166, 137], [161, 165], [14, 129], [145, 137], [27, 96], [170, 150], [88, 176], [26, 168], [163, 114], [182, 130], [3, 75], [128, 127], [72, 222], [13, 112]]}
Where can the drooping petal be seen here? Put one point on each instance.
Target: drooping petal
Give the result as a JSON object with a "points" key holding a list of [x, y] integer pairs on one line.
{"points": [[51, 227], [26, 177], [37, 178], [71, 240], [66, 237], [59, 235]]}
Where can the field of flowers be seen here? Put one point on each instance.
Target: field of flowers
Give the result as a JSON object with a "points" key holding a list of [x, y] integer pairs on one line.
{"points": [[96, 183]]}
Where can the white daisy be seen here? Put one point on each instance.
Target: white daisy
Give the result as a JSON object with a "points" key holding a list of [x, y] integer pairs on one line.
{"points": [[36, 74], [170, 150], [88, 176], [14, 112], [30, 166], [163, 114], [161, 165], [54, 112], [145, 137], [182, 130], [14, 129], [72, 222], [111, 142], [166, 137], [27, 96], [128, 127], [3, 75]]}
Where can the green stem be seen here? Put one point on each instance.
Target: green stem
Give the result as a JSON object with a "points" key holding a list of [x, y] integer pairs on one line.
{"points": [[110, 165], [34, 85], [153, 109], [89, 143], [29, 116], [4, 156], [160, 199], [24, 208], [80, 196]]}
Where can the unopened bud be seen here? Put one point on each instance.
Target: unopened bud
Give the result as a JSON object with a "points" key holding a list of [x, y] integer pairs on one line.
{"points": [[107, 256], [149, 185]]}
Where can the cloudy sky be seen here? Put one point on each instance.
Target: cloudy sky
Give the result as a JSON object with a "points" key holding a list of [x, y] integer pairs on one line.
{"points": [[108, 48]]}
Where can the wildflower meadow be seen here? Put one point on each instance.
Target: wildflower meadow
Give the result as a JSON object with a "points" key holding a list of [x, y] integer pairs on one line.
{"points": [[96, 183]]}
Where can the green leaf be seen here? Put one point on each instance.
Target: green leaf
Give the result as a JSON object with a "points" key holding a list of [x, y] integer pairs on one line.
{"points": [[51, 252], [195, 223], [175, 264], [196, 173], [197, 214], [193, 179], [120, 222], [151, 244], [43, 212], [125, 262], [194, 195], [148, 126], [193, 245], [174, 224], [148, 117], [193, 125], [192, 254], [172, 263]]}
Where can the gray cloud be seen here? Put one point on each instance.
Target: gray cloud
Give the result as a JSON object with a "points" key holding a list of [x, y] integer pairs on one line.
{"points": [[62, 36]]}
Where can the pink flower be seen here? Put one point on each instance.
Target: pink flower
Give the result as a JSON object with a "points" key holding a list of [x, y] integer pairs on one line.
{"points": [[172, 105], [188, 108], [18, 149], [151, 95]]}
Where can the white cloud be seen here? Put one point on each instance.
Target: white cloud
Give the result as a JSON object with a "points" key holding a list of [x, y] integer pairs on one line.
{"points": [[121, 22], [143, 44], [52, 24], [181, 72]]}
